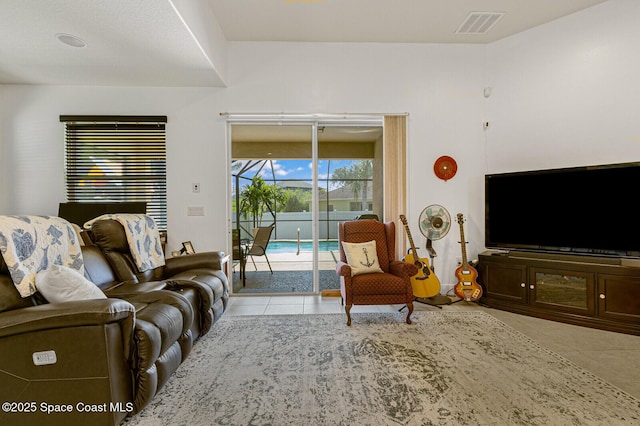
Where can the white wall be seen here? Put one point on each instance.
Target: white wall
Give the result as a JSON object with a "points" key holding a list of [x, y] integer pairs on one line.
{"points": [[32, 141], [5, 157], [564, 94], [567, 93], [440, 86]]}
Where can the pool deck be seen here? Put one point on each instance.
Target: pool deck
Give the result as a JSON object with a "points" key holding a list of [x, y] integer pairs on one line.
{"points": [[295, 262]]}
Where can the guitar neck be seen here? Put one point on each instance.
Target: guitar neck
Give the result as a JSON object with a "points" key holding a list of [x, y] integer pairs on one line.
{"points": [[408, 231], [465, 263], [413, 246]]}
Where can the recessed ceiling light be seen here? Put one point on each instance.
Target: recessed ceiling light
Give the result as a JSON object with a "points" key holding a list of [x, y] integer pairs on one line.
{"points": [[71, 40]]}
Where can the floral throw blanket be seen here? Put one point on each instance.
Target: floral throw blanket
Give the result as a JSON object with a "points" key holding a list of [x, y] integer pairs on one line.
{"points": [[29, 244], [143, 238]]}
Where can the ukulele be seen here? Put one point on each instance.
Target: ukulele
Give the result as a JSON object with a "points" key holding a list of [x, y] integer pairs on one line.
{"points": [[467, 287], [425, 283]]}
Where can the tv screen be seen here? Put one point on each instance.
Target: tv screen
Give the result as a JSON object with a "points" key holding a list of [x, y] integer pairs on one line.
{"points": [[584, 210]]}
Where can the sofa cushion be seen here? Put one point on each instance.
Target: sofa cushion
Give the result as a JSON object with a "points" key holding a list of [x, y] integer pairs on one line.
{"points": [[362, 257], [143, 238], [61, 284], [97, 268], [9, 296]]}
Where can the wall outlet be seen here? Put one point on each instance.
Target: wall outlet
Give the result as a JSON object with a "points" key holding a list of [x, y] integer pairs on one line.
{"points": [[195, 187]]}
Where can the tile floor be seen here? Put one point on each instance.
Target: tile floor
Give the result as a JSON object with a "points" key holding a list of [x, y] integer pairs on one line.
{"points": [[615, 357]]}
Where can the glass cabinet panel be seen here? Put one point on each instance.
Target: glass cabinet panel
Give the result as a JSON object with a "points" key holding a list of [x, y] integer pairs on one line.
{"points": [[564, 290]]}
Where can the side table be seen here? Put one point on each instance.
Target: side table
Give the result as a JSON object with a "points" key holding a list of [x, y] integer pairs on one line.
{"points": [[224, 263]]}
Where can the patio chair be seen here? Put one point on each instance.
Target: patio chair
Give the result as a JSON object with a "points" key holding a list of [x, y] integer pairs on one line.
{"points": [[367, 216], [239, 253], [260, 243]]}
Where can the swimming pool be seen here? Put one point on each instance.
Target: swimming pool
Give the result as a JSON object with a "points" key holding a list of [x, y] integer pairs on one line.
{"points": [[282, 246]]}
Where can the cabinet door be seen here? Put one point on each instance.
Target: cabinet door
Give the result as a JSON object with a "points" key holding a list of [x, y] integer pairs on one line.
{"points": [[619, 298], [562, 290], [505, 282]]}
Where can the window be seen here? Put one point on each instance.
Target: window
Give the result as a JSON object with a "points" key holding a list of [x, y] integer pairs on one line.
{"points": [[117, 159], [355, 206]]}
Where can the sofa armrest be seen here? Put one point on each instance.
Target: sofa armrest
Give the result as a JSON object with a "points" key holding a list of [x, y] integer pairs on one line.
{"points": [[210, 260], [161, 298], [128, 288], [67, 314]]}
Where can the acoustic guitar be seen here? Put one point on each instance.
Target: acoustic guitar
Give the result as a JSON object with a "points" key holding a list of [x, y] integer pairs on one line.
{"points": [[467, 287], [425, 283]]}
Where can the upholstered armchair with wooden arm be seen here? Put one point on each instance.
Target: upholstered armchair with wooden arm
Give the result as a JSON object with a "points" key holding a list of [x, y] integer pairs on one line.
{"points": [[362, 282]]}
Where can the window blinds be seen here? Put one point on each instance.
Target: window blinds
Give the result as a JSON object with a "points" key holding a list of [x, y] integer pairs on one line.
{"points": [[117, 159]]}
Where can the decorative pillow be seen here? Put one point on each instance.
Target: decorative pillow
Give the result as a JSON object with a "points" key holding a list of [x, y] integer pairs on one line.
{"points": [[61, 284], [362, 257]]}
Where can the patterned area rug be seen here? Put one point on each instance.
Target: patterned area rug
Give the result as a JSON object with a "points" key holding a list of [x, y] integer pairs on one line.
{"points": [[447, 368]]}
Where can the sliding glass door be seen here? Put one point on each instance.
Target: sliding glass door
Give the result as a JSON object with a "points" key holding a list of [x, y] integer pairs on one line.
{"points": [[300, 180]]}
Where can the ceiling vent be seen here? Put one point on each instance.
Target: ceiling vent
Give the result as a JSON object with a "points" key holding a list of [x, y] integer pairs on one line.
{"points": [[479, 22]]}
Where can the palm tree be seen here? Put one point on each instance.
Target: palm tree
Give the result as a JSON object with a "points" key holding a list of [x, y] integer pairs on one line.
{"points": [[357, 176], [258, 197]]}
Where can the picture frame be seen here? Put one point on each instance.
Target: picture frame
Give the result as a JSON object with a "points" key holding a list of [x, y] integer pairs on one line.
{"points": [[187, 248]]}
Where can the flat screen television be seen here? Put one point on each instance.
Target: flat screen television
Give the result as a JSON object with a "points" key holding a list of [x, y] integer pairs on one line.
{"points": [[589, 210]]}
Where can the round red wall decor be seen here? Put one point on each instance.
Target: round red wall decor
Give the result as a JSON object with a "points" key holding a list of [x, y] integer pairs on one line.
{"points": [[445, 167]]}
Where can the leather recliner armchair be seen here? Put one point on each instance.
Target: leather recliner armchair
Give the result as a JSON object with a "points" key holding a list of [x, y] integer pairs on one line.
{"points": [[159, 312], [99, 271], [113, 354], [199, 269], [61, 354]]}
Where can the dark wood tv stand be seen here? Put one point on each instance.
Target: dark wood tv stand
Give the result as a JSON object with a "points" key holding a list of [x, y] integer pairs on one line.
{"points": [[591, 291]]}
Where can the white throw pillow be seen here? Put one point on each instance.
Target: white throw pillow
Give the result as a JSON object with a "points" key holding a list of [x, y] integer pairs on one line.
{"points": [[58, 283], [362, 257]]}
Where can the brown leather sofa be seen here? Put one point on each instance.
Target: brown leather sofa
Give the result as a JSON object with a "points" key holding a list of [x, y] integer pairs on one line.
{"points": [[198, 296], [54, 356], [111, 355], [180, 272], [156, 359]]}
